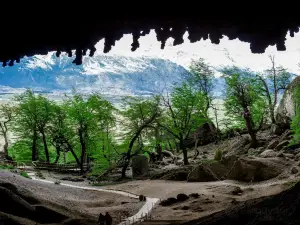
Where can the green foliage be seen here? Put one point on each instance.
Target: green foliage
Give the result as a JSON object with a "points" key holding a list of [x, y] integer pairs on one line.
{"points": [[201, 77], [218, 155], [24, 174], [6, 167], [243, 90]]}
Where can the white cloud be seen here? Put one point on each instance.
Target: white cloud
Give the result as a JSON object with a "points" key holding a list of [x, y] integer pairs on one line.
{"points": [[214, 54]]}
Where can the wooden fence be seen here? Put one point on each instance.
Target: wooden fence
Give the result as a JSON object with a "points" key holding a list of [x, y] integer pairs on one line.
{"points": [[68, 167]]}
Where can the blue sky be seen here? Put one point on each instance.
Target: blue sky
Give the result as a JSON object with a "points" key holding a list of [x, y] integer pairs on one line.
{"points": [[214, 54]]}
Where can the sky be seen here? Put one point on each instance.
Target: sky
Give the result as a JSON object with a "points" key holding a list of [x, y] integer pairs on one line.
{"points": [[216, 55]]}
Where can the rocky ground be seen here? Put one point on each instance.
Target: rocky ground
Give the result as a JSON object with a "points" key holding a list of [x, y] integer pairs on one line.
{"points": [[60, 204], [204, 187]]}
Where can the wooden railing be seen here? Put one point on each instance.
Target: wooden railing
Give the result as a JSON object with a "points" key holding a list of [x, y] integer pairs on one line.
{"points": [[68, 167]]}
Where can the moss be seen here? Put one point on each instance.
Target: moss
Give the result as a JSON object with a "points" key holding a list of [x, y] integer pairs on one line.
{"points": [[24, 174]]}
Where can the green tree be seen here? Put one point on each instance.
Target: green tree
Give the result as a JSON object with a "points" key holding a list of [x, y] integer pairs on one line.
{"points": [[184, 111], [139, 114], [202, 76], [244, 99], [274, 80], [7, 113], [25, 124]]}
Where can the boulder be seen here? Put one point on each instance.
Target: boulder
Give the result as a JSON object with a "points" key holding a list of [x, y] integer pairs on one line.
{"points": [[276, 129], [176, 174], [201, 173], [288, 155], [280, 154], [281, 145], [286, 110], [256, 169], [140, 165], [168, 202], [205, 134], [273, 143], [194, 195], [182, 197], [294, 170], [268, 154], [237, 191], [287, 135], [297, 157]]}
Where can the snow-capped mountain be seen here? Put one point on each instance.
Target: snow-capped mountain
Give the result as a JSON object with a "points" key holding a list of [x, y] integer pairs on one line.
{"points": [[114, 76]]}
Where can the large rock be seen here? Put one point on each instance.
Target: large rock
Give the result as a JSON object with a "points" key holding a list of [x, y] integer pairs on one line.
{"points": [[273, 143], [206, 134], [140, 165], [269, 153], [286, 109], [281, 145], [279, 209], [201, 173], [276, 129], [255, 169]]}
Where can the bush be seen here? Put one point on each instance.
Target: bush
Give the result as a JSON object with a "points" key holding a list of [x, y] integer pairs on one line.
{"points": [[6, 167], [24, 174], [218, 155]]}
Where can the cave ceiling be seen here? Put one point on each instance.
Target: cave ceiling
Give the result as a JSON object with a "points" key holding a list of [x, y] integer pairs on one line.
{"points": [[64, 36]]}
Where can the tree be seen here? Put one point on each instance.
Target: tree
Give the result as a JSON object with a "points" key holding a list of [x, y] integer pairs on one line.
{"points": [[274, 80], [140, 114], [202, 76], [6, 115], [184, 111], [244, 99], [25, 124]]}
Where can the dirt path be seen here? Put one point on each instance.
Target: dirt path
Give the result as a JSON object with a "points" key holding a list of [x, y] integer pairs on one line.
{"points": [[144, 210]]}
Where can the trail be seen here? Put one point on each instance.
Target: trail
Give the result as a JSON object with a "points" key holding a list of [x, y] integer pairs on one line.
{"points": [[145, 210]]}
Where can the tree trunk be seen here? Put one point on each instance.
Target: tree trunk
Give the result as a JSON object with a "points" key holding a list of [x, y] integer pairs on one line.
{"points": [[65, 160], [34, 146], [196, 150], [57, 154], [73, 153], [251, 131], [5, 146], [185, 156], [124, 168], [83, 150], [45, 146]]}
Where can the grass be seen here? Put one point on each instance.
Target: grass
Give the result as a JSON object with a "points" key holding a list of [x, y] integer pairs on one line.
{"points": [[24, 174], [6, 167], [291, 184], [218, 155]]}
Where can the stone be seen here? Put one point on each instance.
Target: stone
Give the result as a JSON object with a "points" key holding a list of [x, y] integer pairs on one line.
{"points": [[140, 166], [237, 191], [297, 157], [201, 173], [257, 169], [268, 154], [206, 134], [168, 202], [194, 195], [275, 129], [281, 145], [182, 197], [288, 155], [273, 143], [294, 170], [142, 198], [280, 154]]}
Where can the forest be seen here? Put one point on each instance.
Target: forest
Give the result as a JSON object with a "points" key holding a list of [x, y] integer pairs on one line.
{"points": [[87, 129]]}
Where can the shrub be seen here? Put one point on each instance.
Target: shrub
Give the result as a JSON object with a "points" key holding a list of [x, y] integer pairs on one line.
{"points": [[218, 155], [6, 167], [24, 174]]}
